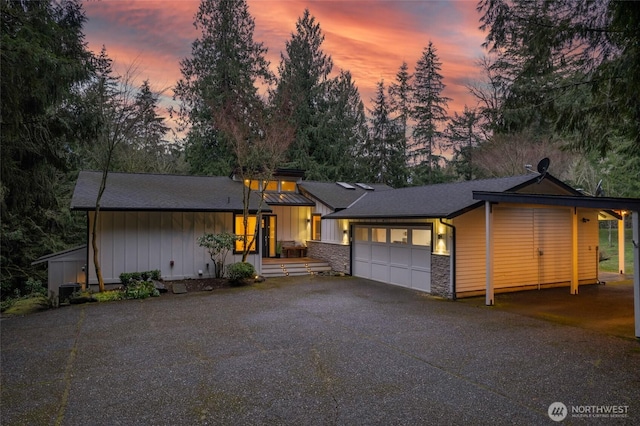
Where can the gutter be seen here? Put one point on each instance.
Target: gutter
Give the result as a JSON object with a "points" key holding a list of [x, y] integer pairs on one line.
{"points": [[453, 257]]}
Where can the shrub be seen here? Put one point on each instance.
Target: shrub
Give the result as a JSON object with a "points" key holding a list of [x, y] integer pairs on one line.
{"points": [[127, 277], [240, 272], [108, 296], [33, 286], [140, 290]]}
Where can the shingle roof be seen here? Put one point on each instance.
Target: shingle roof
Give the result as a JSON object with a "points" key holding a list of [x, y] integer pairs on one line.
{"points": [[335, 196], [442, 200], [135, 191]]}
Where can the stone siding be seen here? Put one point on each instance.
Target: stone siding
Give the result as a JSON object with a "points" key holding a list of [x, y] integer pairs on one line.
{"points": [[337, 255], [441, 276]]}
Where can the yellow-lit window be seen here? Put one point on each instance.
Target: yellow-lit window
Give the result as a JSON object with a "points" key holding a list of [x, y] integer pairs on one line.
{"points": [[399, 236], [362, 234], [379, 235], [287, 186], [316, 227], [272, 185], [253, 184], [239, 231]]}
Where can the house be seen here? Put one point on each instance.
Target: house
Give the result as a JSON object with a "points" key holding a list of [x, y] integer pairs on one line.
{"points": [[452, 240]]}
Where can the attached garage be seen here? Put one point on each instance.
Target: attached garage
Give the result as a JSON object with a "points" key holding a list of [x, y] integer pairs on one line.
{"points": [[393, 254]]}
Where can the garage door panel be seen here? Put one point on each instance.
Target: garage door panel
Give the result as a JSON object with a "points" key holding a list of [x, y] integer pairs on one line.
{"points": [[399, 256], [399, 276], [421, 280], [420, 259], [362, 251], [380, 253], [380, 272]]}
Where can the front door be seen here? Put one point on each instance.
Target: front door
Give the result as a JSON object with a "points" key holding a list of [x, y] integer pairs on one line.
{"points": [[269, 235]]}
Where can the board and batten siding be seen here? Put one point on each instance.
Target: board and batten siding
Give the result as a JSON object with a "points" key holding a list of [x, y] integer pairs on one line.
{"points": [[532, 246], [144, 241], [292, 223]]}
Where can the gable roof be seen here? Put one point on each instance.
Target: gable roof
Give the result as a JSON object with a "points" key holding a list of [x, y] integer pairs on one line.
{"points": [[446, 200], [336, 196], [156, 192]]}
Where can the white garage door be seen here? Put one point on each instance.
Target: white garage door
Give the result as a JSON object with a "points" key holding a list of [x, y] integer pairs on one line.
{"points": [[399, 255]]}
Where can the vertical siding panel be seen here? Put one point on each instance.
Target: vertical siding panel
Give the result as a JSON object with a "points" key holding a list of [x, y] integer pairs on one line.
{"points": [[515, 262], [166, 254], [470, 251], [554, 240], [143, 248], [107, 236], [188, 243], [155, 242], [176, 244], [130, 252], [588, 241]]}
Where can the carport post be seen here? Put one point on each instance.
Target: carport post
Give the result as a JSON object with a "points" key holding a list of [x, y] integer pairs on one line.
{"points": [[488, 214], [636, 269], [574, 251]]}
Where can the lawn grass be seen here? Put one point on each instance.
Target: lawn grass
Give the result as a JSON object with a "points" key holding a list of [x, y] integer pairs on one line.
{"points": [[611, 250]]}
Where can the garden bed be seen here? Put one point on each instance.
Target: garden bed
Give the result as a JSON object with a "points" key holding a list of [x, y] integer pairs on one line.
{"points": [[198, 284]]}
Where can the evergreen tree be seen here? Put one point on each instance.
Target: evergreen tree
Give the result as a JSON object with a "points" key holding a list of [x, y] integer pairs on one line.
{"points": [[400, 97], [226, 66], [384, 152], [43, 58], [570, 66], [303, 82], [429, 111], [463, 134], [344, 127]]}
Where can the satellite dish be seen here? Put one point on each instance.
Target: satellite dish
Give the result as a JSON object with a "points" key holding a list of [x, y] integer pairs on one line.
{"points": [[599, 190], [543, 168]]}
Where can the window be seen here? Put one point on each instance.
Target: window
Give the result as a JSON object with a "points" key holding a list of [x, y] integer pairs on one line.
{"points": [[379, 235], [421, 237], [287, 186], [316, 227], [239, 231], [272, 185], [362, 234], [399, 236]]}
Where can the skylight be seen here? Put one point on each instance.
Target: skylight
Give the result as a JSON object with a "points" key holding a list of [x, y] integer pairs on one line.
{"points": [[365, 186], [345, 185]]}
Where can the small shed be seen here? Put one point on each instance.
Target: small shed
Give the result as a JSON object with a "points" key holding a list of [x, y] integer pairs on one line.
{"points": [[64, 267]]}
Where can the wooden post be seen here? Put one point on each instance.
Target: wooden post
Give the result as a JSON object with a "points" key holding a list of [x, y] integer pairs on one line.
{"points": [[636, 269], [489, 252], [574, 251], [621, 245]]}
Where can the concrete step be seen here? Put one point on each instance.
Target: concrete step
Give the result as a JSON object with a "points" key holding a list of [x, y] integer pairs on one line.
{"points": [[291, 269]]}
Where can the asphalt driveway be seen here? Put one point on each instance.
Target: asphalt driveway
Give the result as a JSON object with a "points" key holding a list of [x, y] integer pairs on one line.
{"points": [[309, 351]]}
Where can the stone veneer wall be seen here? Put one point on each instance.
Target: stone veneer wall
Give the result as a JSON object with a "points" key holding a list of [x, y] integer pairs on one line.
{"points": [[336, 255], [441, 276]]}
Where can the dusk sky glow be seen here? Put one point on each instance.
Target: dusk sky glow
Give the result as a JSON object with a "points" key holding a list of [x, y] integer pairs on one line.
{"points": [[370, 38]]}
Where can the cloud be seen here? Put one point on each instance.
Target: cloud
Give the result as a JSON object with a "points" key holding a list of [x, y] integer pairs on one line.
{"points": [[370, 38]]}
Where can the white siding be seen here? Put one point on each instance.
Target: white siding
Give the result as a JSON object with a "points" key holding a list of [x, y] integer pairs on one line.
{"points": [[292, 223], [588, 241], [142, 241]]}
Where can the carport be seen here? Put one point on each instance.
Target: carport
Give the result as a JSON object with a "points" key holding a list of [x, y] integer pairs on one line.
{"points": [[575, 202]]}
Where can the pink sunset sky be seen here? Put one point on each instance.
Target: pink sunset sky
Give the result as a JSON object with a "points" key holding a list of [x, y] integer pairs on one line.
{"points": [[370, 38]]}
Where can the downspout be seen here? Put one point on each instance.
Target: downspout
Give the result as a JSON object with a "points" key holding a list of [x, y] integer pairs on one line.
{"points": [[453, 257]]}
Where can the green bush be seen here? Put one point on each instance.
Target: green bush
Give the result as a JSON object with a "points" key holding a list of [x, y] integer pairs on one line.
{"points": [[140, 290], [240, 273], [127, 277], [109, 296]]}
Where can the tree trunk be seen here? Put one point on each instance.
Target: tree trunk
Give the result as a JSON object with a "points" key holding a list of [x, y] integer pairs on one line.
{"points": [[94, 245]]}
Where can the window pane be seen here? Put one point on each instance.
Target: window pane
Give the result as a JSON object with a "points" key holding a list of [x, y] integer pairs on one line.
{"points": [[379, 235], [287, 186], [421, 237], [362, 234], [399, 236], [251, 223], [272, 186], [316, 228]]}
